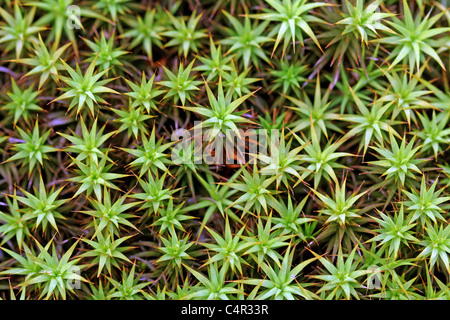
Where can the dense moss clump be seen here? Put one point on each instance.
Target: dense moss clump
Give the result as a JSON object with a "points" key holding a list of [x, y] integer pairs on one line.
{"points": [[228, 149]]}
